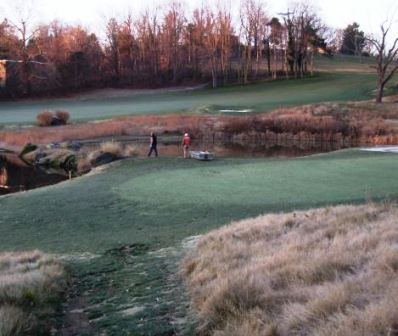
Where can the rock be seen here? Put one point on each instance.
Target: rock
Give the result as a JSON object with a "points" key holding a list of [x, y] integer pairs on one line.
{"points": [[74, 145]]}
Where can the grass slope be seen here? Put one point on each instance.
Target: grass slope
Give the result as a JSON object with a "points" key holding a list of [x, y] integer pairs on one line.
{"points": [[345, 63], [151, 205], [173, 198], [260, 97], [325, 272]]}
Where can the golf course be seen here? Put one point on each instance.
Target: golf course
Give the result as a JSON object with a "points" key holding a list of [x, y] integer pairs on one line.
{"points": [[122, 232], [258, 97], [198, 168]]}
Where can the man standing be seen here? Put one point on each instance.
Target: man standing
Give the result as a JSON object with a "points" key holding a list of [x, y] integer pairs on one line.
{"points": [[153, 144], [186, 143]]}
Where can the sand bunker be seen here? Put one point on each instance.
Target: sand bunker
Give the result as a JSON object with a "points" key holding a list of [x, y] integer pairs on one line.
{"points": [[384, 149]]}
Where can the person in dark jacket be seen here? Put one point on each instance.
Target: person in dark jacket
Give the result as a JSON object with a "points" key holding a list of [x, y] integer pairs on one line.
{"points": [[153, 145]]}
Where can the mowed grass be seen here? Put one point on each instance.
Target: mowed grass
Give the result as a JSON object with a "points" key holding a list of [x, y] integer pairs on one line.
{"points": [[345, 63], [132, 218], [260, 97], [162, 201]]}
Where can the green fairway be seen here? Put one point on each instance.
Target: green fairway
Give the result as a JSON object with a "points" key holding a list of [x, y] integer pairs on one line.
{"points": [[153, 205], [345, 63], [259, 97]]}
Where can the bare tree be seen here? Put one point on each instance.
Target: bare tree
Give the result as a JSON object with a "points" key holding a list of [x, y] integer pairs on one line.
{"points": [[171, 37], [211, 44], [24, 13], [225, 30], [386, 60], [303, 27], [112, 35], [275, 41]]}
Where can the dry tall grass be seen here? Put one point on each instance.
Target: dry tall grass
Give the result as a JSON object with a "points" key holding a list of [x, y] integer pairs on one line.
{"points": [[365, 122], [29, 284], [332, 271], [130, 150], [112, 147]]}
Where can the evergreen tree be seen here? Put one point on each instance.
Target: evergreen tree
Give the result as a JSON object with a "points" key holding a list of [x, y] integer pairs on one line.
{"points": [[353, 40]]}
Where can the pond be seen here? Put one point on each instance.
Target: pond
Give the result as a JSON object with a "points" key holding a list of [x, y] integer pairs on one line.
{"points": [[170, 146], [15, 175]]}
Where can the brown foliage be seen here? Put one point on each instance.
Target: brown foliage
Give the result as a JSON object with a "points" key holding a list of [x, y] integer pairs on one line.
{"points": [[45, 118], [358, 122], [159, 48], [325, 121], [50, 118], [63, 116]]}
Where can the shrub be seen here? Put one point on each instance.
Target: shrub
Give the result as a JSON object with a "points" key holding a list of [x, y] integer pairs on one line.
{"points": [[45, 118], [50, 118], [63, 116]]}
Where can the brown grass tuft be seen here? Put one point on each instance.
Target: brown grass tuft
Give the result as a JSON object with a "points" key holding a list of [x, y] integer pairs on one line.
{"points": [[114, 148], [83, 165], [13, 321], [29, 283], [130, 150], [331, 271]]}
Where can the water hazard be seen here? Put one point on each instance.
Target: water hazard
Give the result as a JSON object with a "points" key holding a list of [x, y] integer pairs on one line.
{"points": [[16, 175]]}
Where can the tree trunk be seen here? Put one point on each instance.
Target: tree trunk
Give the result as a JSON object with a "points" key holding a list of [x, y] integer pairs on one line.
{"points": [[275, 65], [312, 62], [214, 73], [379, 94], [269, 58]]}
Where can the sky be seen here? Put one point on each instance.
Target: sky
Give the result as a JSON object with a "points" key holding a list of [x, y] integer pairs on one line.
{"points": [[93, 13]]}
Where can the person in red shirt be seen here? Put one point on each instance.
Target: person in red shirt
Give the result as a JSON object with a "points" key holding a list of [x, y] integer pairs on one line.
{"points": [[186, 143]]}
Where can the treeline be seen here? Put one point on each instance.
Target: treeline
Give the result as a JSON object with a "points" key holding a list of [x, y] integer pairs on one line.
{"points": [[158, 49]]}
